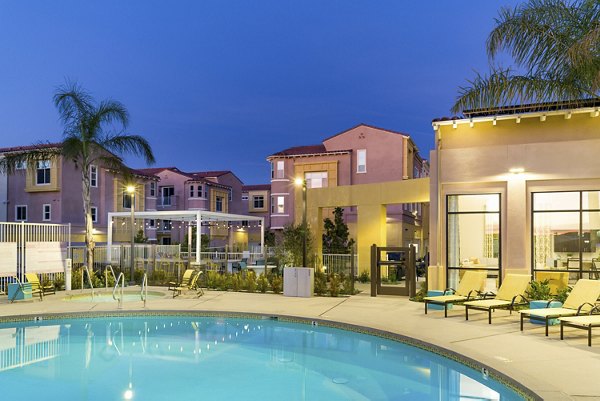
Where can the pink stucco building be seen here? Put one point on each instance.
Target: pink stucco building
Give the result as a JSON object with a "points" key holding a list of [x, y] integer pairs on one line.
{"points": [[360, 155]]}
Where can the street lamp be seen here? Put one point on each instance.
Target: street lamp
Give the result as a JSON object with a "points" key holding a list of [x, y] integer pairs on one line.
{"points": [[131, 192], [302, 182]]}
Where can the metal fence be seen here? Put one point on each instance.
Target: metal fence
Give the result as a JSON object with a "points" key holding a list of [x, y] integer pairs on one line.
{"points": [[346, 264]]}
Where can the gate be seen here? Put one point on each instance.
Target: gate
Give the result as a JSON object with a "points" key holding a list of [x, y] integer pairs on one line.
{"points": [[393, 271]]}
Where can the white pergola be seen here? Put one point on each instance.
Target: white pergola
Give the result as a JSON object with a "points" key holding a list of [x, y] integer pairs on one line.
{"points": [[197, 216]]}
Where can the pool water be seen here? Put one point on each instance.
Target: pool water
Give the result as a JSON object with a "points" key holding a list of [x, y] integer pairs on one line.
{"points": [[107, 297], [204, 358]]}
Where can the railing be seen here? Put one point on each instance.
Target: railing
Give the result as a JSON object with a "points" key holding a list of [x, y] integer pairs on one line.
{"points": [[340, 263], [144, 289], [89, 276], [106, 270], [167, 201], [120, 279]]}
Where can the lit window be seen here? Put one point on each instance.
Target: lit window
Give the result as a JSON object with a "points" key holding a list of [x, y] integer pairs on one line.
{"points": [[361, 161], [93, 176], [94, 211], [280, 169], [43, 172], [21, 212], [280, 204], [46, 212]]}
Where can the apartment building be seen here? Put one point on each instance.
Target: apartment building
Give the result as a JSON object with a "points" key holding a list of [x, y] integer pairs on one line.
{"points": [[256, 200], [360, 155]]}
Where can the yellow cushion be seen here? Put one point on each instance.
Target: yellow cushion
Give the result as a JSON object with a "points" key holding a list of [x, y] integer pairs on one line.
{"points": [[585, 290], [512, 285], [471, 281], [488, 303], [445, 298], [555, 312]]}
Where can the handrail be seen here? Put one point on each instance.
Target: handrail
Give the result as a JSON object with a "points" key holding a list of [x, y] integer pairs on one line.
{"points": [[106, 269], [86, 269], [144, 289], [120, 279]]}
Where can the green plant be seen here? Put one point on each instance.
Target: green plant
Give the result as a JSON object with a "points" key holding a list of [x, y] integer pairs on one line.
{"points": [[320, 283], [563, 294], [336, 234], [262, 284], [539, 291], [276, 284], [348, 286], [76, 278], [138, 275], [422, 293], [364, 277], [59, 283], [212, 279], [158, 276], [236, 282], [334, 285], [250, 283]]}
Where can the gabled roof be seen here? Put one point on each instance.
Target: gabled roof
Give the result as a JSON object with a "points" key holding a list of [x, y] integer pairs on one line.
{"points": [[306, 150], [258, 187], [157, 170], [205, 174], [142, 173], [368, 126], [31, 147]]}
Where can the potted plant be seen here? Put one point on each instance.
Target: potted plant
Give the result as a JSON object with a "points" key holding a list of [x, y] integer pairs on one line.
{"points": [[540, 296]]}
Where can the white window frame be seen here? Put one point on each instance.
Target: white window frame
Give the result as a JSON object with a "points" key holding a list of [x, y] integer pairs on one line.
{"points": [[43, 165], [361, 168], [221, 200], [17, 212], [93, 176], [153, 189], [280, 173], [94, 212], [192, 192], [49, 206], [245, 197], [152, 224], [320, 178], [280, 208], [199, 191]]}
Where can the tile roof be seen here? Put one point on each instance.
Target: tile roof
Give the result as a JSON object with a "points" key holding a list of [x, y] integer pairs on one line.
{"points": [[257, 187], [368, 126], [156, 170], [306, 150], [31, 147], [204, 174]]}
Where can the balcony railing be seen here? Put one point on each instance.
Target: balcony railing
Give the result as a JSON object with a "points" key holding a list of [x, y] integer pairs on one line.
{"points": [[167, 201]]}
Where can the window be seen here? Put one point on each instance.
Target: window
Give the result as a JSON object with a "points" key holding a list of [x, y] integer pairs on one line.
{"points": [[153, 189], [126, 200], [566, 232], [94, 211], [191, 191], [166, 240], [473, 234], [21, 165], [258, 201], [361, 161], [93, 176], [316, 179], [166, 225], [219, 204], [151, 223], [280, 169], [46, 212], [21, 213], [43, 172], [168, 193], [280, 204], [244, 197], [230, 195], [199, 191]]}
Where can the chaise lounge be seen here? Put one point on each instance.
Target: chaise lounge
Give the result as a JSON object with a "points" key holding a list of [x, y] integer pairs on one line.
{"points": [[582, 298], [586, 322], [469, 288], [509, 295]]}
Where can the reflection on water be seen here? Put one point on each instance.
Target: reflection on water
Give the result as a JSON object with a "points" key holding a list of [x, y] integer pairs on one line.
{"points": [[248, 359]]}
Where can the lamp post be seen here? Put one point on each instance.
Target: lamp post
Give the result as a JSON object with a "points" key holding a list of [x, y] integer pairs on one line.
{"points": [[131, 192], [302, 182]]}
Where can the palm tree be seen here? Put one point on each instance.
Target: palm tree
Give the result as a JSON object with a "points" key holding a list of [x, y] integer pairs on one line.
{"points": [[555, 45], [93, 133]]}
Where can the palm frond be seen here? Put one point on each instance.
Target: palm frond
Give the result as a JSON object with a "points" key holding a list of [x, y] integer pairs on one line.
{"points": [[73, 103], [11, 160], [134, 144], [108, 112]]}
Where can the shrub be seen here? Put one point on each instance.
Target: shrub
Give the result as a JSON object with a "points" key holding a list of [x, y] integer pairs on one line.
{"points": [[320, 283], [250, 281], [422, 293], [212, 279], [563, 294], [539, 291], [276, 284], [347, 286], [236, 282], [76, 278], [364, 277], [59, 283], [158, 276], [335, 283], [262, 284]]}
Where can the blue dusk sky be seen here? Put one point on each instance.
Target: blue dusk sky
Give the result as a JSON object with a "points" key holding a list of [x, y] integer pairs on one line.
{"points": [[220, 84]]}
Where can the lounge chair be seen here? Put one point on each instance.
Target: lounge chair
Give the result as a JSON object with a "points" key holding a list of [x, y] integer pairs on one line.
{"points": [[185, 280], [37, 287], [192, 285], [469, 288], [585, 322], [509, 294], [581, 299]]}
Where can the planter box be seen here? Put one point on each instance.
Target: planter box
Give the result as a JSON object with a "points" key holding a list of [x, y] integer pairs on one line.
{"points": [[542, 305], [436, 293]]}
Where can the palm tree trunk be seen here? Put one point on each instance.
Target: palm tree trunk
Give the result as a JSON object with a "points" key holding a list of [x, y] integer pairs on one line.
{"points": [[89, 225]]}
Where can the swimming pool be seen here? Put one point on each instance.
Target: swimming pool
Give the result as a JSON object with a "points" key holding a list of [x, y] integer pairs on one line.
{"points": [[128, 296], [215, 358]]}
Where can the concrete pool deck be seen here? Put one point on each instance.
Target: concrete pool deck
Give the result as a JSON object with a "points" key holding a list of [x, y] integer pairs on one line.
{"points": [[554, 369]]}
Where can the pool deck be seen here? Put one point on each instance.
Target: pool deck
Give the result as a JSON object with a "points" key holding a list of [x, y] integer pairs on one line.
{"points": [[554, 369]]}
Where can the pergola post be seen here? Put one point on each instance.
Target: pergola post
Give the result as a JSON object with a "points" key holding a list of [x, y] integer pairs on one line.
{"points": [[198, 236]]}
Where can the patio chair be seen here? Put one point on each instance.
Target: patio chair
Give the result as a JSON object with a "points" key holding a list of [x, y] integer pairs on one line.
{"points": [[191, 285], [185, 280], [581, 299], [509, 295], [584, 322], [469, 288], [37, 287]]}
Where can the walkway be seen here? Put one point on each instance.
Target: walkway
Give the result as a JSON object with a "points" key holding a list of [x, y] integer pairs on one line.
{"points": [[556, 370]]}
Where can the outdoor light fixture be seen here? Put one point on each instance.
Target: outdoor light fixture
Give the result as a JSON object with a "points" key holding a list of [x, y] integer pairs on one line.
{"points": [[543, 117], [300, 182], [568, 116], [494, 121], [517, 170], [454, 125], [131, 192], [518, 119], [595, 113], [471, 123]]}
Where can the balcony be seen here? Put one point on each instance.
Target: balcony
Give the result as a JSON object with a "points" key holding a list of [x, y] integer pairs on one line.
{"points": [[167, 202]]}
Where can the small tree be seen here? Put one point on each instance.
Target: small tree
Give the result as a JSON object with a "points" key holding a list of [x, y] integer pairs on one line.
{"points": [[289, 250], [336, 236], [140, 238], [204, 242]]}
